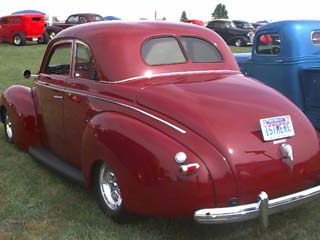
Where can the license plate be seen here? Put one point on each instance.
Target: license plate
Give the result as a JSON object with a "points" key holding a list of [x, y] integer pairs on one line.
{"points": [[276, 128], [34, 39]]}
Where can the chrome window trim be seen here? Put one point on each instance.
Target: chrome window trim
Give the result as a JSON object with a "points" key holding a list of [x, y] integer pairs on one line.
{"points": [[169, 74], [44, 84]]}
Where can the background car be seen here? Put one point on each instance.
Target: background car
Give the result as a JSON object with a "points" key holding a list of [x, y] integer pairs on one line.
{"points": [[72, 20], [17, 29], [231, 33], [163, 124], [285, 56]]}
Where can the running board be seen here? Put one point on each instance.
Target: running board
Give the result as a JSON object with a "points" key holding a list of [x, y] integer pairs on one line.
{"points": [[46, 157]]}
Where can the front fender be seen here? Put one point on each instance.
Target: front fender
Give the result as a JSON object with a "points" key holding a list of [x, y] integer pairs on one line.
{"points": [[143, 159], [18, 102], [55, 29]]}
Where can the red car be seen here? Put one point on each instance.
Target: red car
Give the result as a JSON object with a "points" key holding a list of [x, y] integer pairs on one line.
{"points": [[158, 120], [17, 29]]}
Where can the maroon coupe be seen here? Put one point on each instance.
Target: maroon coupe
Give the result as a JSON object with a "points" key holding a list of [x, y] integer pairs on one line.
{"points": [[158, 120]]}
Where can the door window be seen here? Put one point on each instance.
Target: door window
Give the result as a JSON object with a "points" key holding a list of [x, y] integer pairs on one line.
{"points": [[73, 20], [4, 20], [59, 61], [84, 63]]}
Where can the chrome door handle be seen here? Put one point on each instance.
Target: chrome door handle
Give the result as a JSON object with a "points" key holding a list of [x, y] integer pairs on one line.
{"points": [[58, 97]]}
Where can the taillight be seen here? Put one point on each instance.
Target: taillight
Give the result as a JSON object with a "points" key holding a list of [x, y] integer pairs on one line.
{"points": [[189, 169]]}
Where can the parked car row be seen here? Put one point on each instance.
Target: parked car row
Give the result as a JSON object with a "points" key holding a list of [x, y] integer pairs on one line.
{"points": [[165, 124], [19, 28], [237, 33]]}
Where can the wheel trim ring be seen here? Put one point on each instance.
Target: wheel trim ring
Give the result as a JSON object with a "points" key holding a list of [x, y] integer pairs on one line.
{"points": [[8, 127], [108, 190], [238, 43], [17, 40]]}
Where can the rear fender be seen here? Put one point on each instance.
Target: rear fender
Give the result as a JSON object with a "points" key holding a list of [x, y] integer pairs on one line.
{"points": [[17, 101], [143, 160]]}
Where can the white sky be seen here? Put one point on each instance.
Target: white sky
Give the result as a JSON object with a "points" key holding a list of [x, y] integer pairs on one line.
{"points": [[253, 10]]}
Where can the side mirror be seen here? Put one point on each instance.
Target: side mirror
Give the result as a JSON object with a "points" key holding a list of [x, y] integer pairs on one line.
{"points": [[27, 74]]}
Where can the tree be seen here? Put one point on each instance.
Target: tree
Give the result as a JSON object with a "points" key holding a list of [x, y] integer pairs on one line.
{"points": [[220, 11], [183, 16]]}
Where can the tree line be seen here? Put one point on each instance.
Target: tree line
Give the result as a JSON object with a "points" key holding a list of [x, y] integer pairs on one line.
{"points": [[219, 12]]}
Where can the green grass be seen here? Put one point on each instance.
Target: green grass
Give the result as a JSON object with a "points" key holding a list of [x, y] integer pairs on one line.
{"points": [[36, 203]]}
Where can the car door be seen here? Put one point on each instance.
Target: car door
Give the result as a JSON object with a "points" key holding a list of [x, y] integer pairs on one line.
{"points": [[50, 87], [78, 105]]}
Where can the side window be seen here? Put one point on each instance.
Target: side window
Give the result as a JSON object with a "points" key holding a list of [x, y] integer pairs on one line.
{"points": [[201, 51], [315, 37], [4, 20], [162, 50], [73, 20], [84, 63], [82, 20], [269, 44], [59, 61], [16, 20]]}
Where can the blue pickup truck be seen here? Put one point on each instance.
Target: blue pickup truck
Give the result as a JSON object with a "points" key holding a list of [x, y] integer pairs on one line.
{"points": [[286, 56]]}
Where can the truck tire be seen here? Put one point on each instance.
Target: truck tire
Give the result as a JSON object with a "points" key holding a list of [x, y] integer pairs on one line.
{"points": [[19, 39], [44, 39]]}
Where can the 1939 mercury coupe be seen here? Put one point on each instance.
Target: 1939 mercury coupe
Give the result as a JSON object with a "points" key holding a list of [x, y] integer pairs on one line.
{"points": [[158, 120]]}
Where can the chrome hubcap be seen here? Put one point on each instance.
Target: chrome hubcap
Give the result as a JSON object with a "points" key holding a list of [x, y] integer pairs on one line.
{"points": [[238, 43], [8, 127], [17, 40], [109, 188], [51, 35]]}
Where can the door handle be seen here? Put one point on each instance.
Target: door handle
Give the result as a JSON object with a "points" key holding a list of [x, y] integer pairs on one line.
{"points": [[58, 97]]}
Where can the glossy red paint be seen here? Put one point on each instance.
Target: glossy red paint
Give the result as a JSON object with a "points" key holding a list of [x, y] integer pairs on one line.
{"points": [[136, 117], [30, 25]]}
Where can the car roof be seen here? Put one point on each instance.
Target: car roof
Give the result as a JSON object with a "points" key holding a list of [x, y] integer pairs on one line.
{"points": [[118, 43], [24, 15]]}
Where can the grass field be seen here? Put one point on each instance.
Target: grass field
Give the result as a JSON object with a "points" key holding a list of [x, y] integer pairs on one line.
{"points": [[36, 203]]}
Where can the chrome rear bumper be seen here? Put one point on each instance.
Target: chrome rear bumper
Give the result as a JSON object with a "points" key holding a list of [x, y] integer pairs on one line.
{"points": [[261, 209]]}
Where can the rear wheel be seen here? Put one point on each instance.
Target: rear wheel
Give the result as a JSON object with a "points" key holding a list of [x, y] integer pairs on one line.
{"points": [[44, 39], [8, 127], [108, 193], [19, 39]]}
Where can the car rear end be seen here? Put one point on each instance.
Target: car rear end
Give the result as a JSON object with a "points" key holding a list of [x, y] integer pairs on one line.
{"points": [[33, 26]]}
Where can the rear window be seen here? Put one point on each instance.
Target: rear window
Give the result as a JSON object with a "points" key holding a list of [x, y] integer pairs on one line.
{"points": [[201, 51], [269, 44], [162, 50], [36, 19], [167, 50], [315, 37]]}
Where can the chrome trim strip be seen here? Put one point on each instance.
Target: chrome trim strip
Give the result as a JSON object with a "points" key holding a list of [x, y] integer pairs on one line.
{"points": [[263, 208], [115, 102], [169, 74]]}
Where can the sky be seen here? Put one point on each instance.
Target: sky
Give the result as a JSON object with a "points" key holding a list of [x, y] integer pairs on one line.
{"points": [[253, 10]]}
